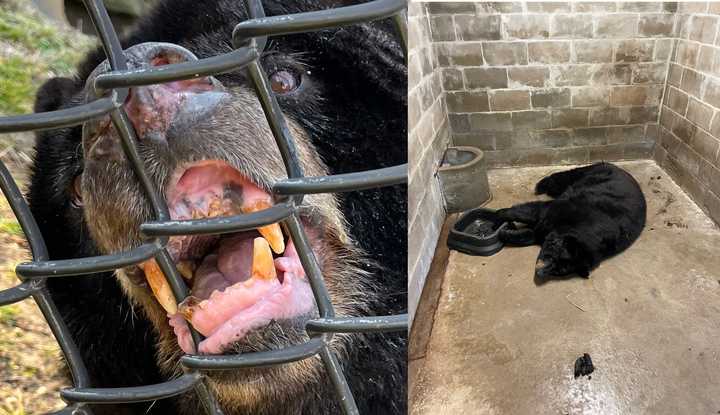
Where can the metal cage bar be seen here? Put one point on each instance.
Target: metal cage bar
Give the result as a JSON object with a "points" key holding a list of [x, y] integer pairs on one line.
{"points": [[249, 39]]}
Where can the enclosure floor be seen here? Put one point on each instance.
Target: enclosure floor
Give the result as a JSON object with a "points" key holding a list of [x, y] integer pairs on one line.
{"points": [[649, 318]]}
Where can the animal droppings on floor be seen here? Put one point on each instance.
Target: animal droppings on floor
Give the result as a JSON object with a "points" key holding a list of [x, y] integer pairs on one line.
{"points": [[584, 366]]}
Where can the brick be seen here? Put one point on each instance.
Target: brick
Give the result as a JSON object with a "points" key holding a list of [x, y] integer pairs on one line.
{"points": [[452, 79], [649, 73], [634, 50], [553, 138], [706, 146], [670, 6], [505, 53], [589, 136], [683, 129], [606, 153], [573, 155], [616, 26], [593, 51], [549, 52], [652, 25], [442, 28], [652, 131], [699, 113], [712, 93], [609, 116], [486, 78], [687, 53], [526, 26], [625, 134], [551, 98], [703, 29], [459, 123], [531, 120], [689, 7], [499, 7], [499, 121], [641, 150], [616, 74], [692, 82], [467, 101], [483, 141], [482, 27], [633, 95], [571, 75], [590, 97], [528, 76], [594, 6], [569, 118], [675, 75], [663, 48], [450, 7], [706, 59], [676, 100], [548, 6], [640, 6], [571, 26], [461, 54], [510, 100], [643, 114]]}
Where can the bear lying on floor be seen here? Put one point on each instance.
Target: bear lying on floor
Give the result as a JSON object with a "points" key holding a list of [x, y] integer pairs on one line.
{"points": [[208, 148], [598, 211]]}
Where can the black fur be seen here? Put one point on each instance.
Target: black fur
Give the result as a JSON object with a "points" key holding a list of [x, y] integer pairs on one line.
{"points": [[357, 121], [598, 212]]}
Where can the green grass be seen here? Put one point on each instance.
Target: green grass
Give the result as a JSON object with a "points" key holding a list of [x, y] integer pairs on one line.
{"points": [[10, 226], [8, 314], [38, 50]]}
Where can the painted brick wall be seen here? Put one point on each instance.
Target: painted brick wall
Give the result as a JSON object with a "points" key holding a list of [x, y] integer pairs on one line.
{"points": [[690, 120], [553, 82], [429, 135]]}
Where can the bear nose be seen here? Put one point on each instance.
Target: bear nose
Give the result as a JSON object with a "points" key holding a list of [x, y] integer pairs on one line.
{"points": [[154, 109]]}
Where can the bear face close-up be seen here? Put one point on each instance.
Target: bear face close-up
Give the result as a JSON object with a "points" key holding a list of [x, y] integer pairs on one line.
{"points": [[208, 149]]}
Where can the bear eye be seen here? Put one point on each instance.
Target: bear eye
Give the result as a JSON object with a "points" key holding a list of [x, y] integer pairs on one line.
{"points": [[283, 82], [76, 192]]}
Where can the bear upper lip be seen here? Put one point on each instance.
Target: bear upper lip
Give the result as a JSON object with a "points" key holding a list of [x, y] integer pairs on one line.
{"points": [[240, 281]]}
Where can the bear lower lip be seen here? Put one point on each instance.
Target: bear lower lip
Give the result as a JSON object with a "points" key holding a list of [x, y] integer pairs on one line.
{"points": [[236, 282]]}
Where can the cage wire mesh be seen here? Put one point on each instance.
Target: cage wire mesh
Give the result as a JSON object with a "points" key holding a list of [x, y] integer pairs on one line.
{"points": [[249, 39]]}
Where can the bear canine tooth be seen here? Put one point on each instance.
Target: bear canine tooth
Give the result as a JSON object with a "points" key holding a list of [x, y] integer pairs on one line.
{"points": [[272, 233], [159, 285], [263, 266]]}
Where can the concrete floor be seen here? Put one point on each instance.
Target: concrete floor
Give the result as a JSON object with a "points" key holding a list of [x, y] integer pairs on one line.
{"points": [[649, 318]]}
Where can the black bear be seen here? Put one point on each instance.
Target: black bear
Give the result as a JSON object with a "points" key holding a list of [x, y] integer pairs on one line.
{"points": [[598, 211], [207, 147]]}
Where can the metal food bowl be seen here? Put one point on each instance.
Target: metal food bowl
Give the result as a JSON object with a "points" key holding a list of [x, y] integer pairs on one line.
{"points": [[477, 232]]}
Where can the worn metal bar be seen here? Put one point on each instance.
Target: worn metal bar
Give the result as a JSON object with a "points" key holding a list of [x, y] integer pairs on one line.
{"points": [[18, 293], [256, 359], [132, 394], [317, 20], [218, 225], [374, 324], [343, 182], [347, 401], [57, 119]]}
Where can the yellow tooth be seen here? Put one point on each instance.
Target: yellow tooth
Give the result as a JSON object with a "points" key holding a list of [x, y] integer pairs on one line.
{"points": [[272, 233], [263, 266], [159, 286], [215, 208], [186, 269]]}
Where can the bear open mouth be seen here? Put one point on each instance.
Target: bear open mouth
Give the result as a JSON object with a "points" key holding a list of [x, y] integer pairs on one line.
{"points": [[238, 281]]}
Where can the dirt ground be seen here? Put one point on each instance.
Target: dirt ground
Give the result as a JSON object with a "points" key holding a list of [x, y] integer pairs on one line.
{"points": [[30, 359]]}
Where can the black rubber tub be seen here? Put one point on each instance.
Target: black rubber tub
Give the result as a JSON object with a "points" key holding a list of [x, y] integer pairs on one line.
{"points": [[477, 233]]}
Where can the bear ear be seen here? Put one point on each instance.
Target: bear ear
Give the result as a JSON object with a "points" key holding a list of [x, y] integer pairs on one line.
{"points": [[54, 93]]}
